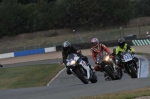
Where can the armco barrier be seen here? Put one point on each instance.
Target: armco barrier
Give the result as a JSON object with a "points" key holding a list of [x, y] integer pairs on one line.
{"points": [[6, 55], [27, 52]]}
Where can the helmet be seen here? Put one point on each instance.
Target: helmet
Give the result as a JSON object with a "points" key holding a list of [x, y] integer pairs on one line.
{"points": [[66, 45], [94, 42], [121, 42]]}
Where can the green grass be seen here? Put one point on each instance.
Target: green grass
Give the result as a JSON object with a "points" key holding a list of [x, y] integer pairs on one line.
{"points": [[130, 94], [27, 76]]}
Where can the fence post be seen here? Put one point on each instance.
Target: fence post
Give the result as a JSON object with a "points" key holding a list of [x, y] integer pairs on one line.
{"points": [[92, 32], [139, 31], [74, 35], [123, 31], [120, 31], [7, 43]]}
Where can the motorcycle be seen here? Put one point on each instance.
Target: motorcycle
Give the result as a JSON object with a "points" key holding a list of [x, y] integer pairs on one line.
{"points": [[80, 69], [128, 64], [108, 66]]}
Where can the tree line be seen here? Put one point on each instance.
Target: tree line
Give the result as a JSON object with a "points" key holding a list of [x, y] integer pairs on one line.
{"points": [[26, 16]]}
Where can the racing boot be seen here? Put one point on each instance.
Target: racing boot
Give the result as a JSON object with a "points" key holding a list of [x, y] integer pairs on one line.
{"points": [[105, 74], [108, 78]]}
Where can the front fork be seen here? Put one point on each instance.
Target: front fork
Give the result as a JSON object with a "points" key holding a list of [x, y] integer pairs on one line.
{"points": [[73, 72], [84, 65]]}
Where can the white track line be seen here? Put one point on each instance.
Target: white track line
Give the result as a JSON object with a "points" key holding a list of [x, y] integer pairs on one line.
{"points": [[55, 76]]}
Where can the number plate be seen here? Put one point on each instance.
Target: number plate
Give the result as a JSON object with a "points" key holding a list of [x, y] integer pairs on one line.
{"points": [[127, 57]]}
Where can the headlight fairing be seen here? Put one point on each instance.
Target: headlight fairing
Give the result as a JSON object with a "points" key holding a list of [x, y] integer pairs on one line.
{"points": [[107, 58], [73, 62]]}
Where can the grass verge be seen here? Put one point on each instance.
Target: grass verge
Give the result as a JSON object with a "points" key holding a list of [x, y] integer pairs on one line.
{"points": [[28, 76], [131, 94]]}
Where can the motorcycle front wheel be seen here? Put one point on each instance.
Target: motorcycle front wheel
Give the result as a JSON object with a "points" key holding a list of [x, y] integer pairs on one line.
{"points": [[110, 73], [81, 76], [133, 72]]}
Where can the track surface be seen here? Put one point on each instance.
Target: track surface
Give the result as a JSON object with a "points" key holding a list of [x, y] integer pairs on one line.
{"points": [[68, 86]]}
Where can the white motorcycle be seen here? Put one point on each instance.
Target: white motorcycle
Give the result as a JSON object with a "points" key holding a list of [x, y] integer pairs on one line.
{"points": [[80, 69], [128, 64]]}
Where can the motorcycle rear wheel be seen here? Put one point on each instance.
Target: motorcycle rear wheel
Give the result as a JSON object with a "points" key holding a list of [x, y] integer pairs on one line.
{"points": [[119, 74], [93, 78]]}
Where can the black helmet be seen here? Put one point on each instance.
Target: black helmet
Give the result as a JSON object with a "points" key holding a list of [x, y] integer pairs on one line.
{"points": [[121, 42], [66, 45]]}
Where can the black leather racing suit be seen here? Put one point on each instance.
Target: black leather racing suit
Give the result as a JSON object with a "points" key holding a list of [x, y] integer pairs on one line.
{"points": [[71, 50]]}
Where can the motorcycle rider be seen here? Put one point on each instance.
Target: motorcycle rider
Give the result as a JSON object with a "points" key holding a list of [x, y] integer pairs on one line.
{"points": [[122, 47], [68, 49], [99, 49]]}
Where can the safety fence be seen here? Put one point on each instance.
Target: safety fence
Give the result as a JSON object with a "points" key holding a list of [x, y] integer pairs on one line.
{"points": [[54, 38]]}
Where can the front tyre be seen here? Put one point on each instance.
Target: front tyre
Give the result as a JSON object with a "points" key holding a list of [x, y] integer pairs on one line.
{"points": [[81, 76], [110, 73], [133, 72]]}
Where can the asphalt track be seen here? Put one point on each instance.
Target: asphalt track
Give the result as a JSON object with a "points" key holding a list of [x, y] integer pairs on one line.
{"points": [[68, 86]]}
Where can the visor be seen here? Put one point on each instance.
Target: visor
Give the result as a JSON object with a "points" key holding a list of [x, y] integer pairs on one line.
{"points": [[94, 43]]}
